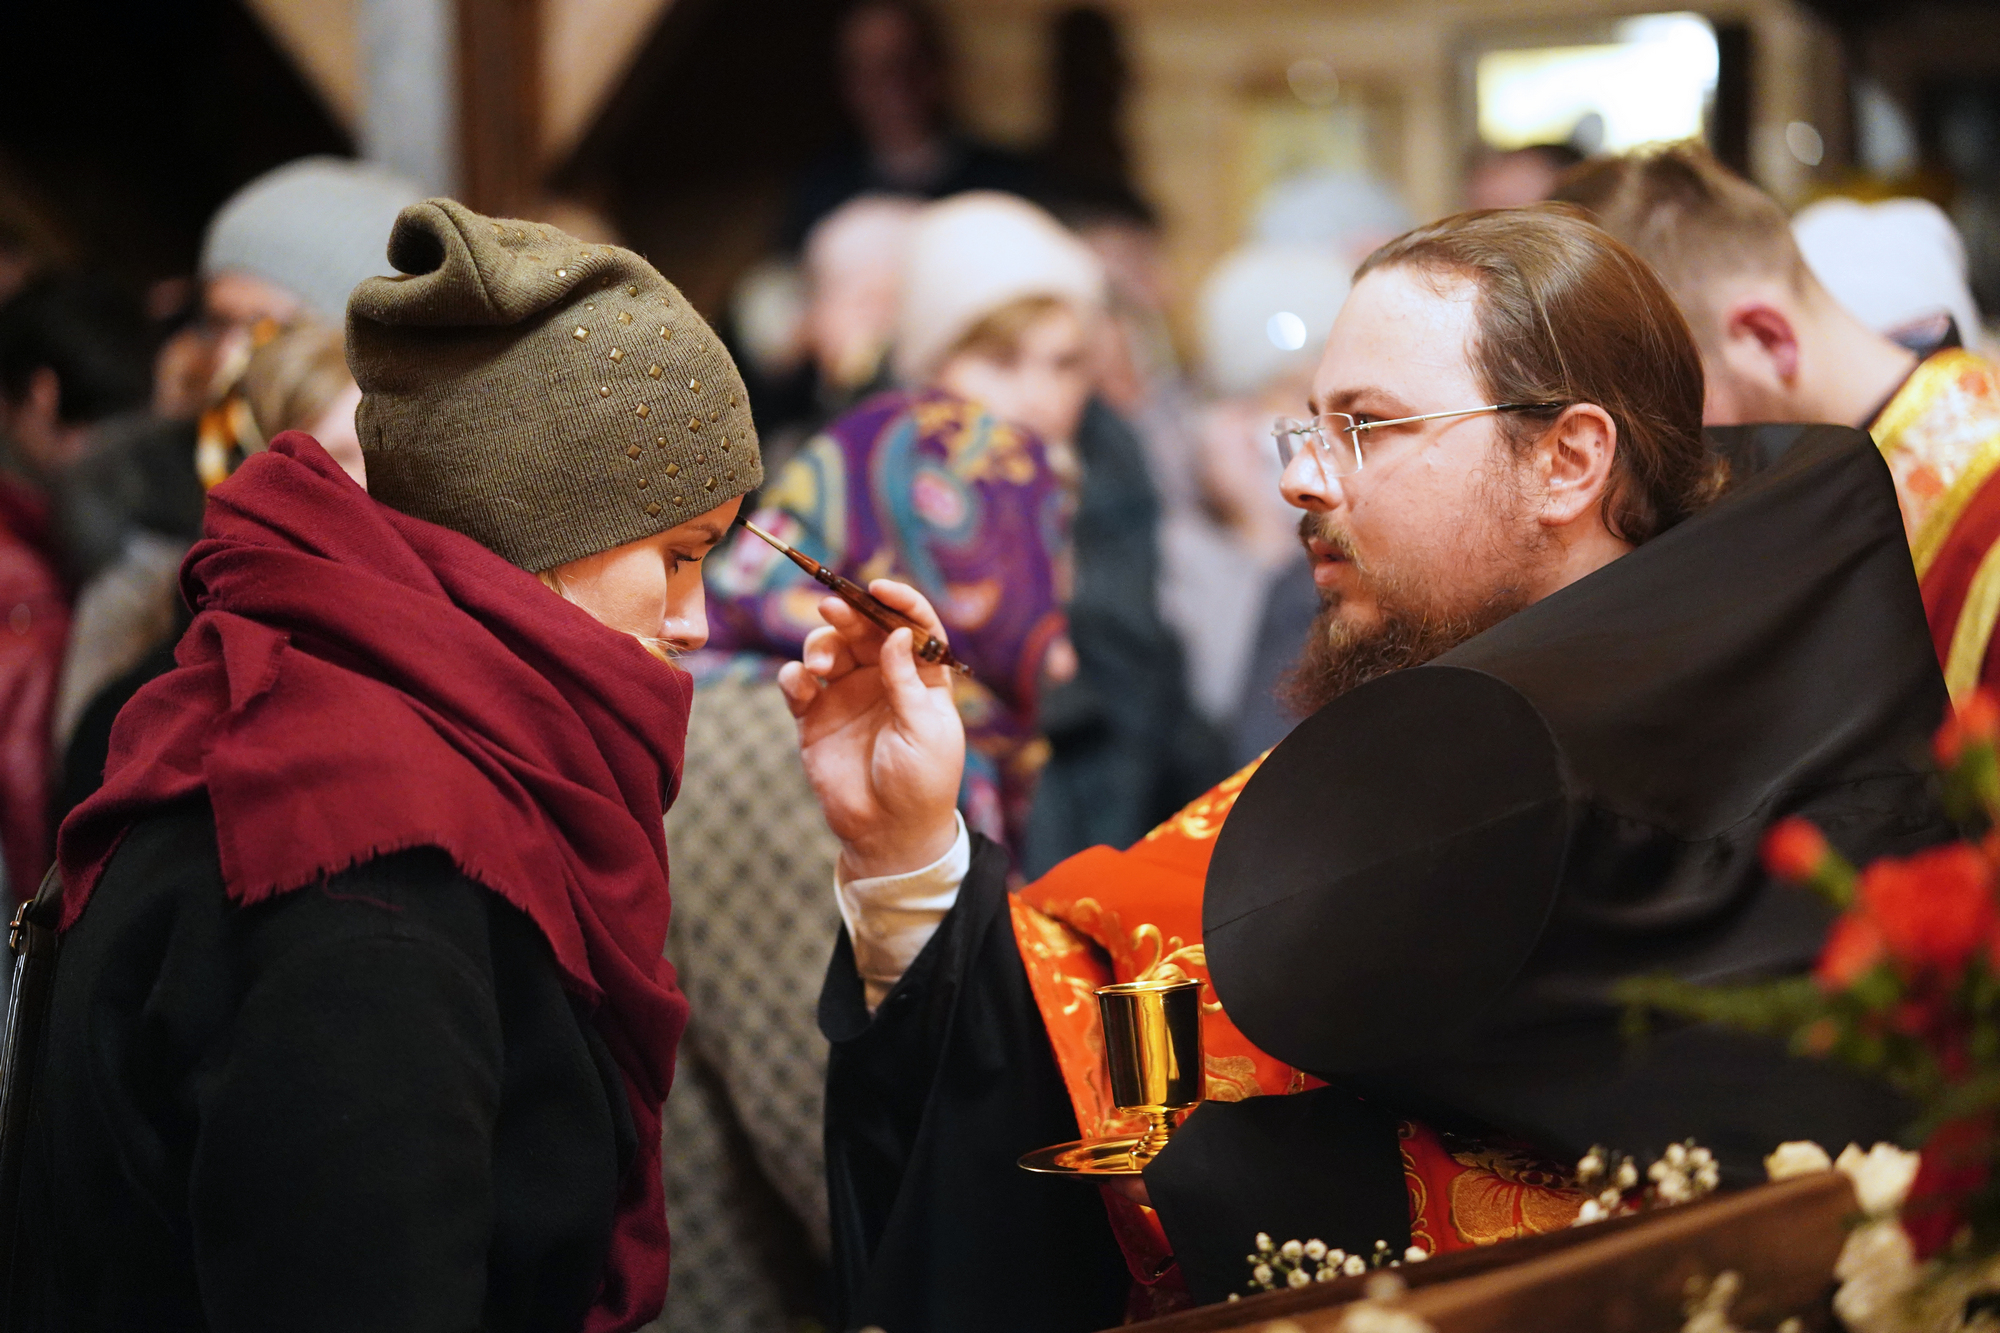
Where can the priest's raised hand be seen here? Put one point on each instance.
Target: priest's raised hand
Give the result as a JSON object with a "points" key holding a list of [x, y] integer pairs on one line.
{"points": [[882, 741]]}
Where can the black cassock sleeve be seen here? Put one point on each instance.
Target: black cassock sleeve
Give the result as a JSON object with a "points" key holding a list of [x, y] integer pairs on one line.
{"points": [[930, 1104]]}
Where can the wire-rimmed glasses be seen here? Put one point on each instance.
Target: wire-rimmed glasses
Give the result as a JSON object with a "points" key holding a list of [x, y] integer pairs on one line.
{"points": [[1335, 437]]}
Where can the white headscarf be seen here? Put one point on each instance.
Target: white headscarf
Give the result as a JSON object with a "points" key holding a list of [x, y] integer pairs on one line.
{"points": [[1892, 263], [1266, 310], [970, 255]]}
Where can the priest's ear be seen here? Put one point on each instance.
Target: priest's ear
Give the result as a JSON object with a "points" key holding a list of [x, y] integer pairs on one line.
{"points": [[1575, 458]]}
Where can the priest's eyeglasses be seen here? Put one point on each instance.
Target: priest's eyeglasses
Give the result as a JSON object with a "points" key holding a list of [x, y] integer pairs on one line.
{"points": [[1335, 437]]}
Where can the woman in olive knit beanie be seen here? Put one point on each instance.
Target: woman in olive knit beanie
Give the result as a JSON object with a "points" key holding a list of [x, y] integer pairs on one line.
{"points": [[361, 1019]]}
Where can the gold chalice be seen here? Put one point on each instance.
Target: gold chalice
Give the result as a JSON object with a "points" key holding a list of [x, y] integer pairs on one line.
{"points": [[1152, 1049]]}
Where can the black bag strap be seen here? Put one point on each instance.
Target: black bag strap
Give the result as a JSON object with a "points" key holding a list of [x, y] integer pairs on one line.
{"points": [[33, 941]]}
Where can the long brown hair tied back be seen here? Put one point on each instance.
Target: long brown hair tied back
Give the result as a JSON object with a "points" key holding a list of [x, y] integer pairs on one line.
{"points": [[1568, 314]]}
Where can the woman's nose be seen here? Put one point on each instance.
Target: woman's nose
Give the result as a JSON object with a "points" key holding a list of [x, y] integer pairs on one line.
{"points": [[687, 621]]}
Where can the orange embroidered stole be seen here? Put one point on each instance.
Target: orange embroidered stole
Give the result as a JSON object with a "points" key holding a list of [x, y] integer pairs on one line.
{"points": [[1940, 435], [1104, 916]]}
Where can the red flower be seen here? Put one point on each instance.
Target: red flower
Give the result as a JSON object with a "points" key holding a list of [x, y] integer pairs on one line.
{"points": [[1957, 1160], [1795, 849], [1934, 910], [1854, 946], [1975, 722]]}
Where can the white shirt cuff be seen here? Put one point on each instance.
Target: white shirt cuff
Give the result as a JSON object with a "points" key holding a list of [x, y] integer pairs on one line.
{"points": [[891, 917]]}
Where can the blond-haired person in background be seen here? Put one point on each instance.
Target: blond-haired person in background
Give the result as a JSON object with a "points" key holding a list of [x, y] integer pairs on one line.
{"points": [[300, 381], [1776, 346]]}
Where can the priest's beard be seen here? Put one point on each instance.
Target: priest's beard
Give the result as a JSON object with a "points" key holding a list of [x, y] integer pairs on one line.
{"points": [[1419, 620]]}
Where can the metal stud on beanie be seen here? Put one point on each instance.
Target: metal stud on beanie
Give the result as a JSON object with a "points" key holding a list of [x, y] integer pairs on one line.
{"points": [[547, 398]]}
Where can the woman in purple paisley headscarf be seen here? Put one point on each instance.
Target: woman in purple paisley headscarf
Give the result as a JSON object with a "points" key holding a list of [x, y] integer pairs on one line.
{"points": [[961, 487]]}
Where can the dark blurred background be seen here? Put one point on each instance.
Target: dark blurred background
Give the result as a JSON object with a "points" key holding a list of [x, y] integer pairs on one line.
{"points": [[123, 124]]}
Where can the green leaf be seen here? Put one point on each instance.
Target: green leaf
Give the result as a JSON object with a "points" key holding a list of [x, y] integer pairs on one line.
{"points": [[1980, 1093], [1777, 1007]]}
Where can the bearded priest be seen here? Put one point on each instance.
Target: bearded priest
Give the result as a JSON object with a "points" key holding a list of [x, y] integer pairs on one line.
{"points": [[1574, 657]]}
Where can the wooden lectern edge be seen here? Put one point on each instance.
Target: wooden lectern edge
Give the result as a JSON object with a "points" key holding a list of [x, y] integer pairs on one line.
{"points": [[1627, 1274]]}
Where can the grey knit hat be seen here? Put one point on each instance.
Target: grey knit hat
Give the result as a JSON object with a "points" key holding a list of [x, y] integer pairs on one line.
{"points": [[313, 227], [547, 398]]}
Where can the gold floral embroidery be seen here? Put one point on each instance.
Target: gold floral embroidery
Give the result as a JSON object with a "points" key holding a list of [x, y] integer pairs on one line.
{"points": [[1231, 1078], [1941, 437], [1413, 1180], [1048, 943], [1201, 819], [1173, 961], [1505, 1193]]}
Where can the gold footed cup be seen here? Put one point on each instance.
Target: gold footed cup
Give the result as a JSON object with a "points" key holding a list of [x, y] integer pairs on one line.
{"points": [[1152, 1050]]}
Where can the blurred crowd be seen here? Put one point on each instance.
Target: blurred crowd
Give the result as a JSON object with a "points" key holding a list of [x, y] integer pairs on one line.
{"points": [[964, 376]]}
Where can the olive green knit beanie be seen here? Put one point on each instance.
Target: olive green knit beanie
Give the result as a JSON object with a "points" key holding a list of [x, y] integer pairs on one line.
{"points": [[547, 398]]}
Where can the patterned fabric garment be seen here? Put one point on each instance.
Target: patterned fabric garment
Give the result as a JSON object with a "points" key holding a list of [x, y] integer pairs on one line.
{"points": [[1940, 435], [931, 490], [754, 915], [1104, 916]]}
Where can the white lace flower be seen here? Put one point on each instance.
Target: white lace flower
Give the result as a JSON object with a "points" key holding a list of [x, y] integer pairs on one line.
{"points": [[1881, 1176], [1416, 1254], [1877, 1269], [1355, 1265], [1800, 1157], [1315, 1249], [1298, 1277]]}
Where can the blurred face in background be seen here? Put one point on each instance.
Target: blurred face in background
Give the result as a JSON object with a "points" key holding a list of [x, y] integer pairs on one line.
{"points": [[1028, 363], [854, 280], [32, 424], [1238, 471], [889, 80], [190, 362], [299, 381], [336, 432], [1513, 180]]}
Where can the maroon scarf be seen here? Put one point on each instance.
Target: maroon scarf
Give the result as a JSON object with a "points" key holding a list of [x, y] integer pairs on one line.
{"points": [[357, 682]]}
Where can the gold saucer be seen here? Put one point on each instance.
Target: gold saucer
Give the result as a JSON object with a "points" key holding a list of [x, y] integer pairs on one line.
{"points": [[1090, 1157]]}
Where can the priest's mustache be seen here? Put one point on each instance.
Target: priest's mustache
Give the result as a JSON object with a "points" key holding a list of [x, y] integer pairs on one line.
{"points": [[1318, 527]]}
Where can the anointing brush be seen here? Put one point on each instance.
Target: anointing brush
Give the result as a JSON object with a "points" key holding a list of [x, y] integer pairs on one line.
{"points": [[928, 646]]}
